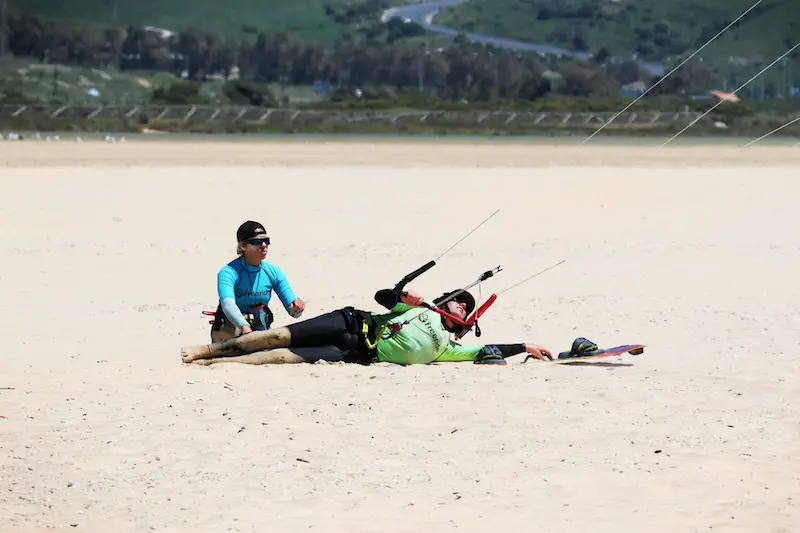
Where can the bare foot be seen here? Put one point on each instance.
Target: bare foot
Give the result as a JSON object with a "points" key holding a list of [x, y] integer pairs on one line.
{"points": [[192, 353]]}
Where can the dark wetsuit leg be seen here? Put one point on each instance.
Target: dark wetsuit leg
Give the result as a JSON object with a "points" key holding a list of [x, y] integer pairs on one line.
{"points": [[319, 331], [333, 336], [312, 354]]}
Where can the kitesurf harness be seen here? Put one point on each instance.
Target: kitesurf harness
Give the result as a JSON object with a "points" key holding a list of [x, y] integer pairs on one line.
{"points": [[260, 318]]}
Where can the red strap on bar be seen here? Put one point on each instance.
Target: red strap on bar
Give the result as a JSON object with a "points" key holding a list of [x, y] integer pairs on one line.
{"points": [[482, 309], [473, 317]]}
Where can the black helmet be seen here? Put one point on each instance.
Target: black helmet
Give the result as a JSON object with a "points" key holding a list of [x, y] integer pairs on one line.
{"points": [[463, 297]]}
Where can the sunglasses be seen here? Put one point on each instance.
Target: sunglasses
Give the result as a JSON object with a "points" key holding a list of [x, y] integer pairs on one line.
{"points": [[259, 242]]}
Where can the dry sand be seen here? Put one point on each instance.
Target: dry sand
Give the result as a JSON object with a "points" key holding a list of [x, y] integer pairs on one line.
{"points": [[110, 253]]}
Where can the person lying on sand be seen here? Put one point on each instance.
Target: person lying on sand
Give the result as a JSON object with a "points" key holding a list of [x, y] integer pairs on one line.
{"points": [[245, 287], [409, 334]]}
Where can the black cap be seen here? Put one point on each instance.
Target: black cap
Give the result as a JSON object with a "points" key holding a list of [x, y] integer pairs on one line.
{"points": [[250, 229], [464, 297]]}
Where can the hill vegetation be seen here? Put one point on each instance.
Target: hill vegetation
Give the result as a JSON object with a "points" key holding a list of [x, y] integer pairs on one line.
{"points": [[390, 62], [652, 29], [322, 21], [63, 61]]}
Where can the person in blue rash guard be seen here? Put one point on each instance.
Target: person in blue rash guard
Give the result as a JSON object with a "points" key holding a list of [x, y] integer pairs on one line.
{"points": [[245, 287]]}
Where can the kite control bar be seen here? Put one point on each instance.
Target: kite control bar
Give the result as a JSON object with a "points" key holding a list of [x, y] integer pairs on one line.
{"points": [[483, 277], [408, 278], [465, 324], [390, 297], [387, 296], [471, 320]]}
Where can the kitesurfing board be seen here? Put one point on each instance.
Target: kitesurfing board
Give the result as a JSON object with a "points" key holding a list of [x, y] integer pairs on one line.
{"points": [[633, 349]]}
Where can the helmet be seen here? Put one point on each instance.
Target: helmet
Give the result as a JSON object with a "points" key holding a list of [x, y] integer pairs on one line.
{"points": [[463, 297]]}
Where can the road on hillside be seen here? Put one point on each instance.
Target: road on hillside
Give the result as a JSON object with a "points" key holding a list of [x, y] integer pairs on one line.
{"points": [[423, 14]]}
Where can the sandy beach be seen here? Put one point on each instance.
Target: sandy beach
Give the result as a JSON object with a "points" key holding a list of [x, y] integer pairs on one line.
{"points": [[110, 254]]}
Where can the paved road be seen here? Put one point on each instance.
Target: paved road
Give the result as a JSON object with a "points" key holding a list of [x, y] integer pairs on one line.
{"points": [[423, 13]]}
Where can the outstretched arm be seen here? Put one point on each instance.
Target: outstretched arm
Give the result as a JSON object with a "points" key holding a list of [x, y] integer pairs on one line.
{"points": [[456, 352]]}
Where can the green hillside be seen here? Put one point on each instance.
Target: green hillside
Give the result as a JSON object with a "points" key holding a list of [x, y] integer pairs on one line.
{"points": [[316, 20], [25, 81], [654, 29]]}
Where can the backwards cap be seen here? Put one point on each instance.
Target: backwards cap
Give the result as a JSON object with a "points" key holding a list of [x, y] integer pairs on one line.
{"points": [[248, 230]]}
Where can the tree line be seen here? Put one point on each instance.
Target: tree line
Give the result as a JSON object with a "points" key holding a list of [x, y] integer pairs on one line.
{"points": [[461, 70]]}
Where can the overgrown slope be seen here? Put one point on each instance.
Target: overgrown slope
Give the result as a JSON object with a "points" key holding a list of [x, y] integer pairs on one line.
{"points": [[654, 29], [317, 20]]}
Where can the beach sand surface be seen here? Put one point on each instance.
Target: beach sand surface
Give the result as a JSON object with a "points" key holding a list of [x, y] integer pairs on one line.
{"points": [[110, 253]]}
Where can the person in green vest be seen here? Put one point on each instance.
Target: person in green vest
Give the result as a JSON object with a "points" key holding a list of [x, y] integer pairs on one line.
{"points": [[412, 332]]}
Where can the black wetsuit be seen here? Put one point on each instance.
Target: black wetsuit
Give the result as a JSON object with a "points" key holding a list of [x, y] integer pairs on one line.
{"points": [[335, 336]]}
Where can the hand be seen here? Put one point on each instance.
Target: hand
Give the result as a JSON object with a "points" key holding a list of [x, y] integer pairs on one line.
{"points": [[543, 354], [411, 298], [246, 329], [297, 308]]}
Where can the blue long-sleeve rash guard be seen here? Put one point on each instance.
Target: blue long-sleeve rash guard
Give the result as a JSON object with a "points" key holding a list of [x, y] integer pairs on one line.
{"points": [[241, 285]]}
